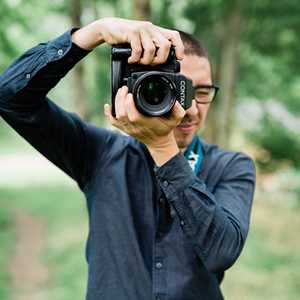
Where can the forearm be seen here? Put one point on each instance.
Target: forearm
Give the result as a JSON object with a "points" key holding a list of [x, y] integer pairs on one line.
{"points": [[89, 37], [28, 80], [216, 224], [164, 149]]}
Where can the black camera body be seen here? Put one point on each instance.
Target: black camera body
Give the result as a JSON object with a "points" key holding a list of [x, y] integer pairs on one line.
{"points": [[155, 89]]}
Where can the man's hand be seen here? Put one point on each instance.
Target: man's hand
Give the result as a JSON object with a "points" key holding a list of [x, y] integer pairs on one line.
{"points": [[150, 43], [155, 132]]}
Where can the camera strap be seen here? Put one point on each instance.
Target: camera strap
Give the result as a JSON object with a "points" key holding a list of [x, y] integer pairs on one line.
{"points": [[194, 154]]}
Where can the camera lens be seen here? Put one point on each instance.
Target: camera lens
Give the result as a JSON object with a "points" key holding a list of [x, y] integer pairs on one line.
{"points": [[155, 95], [153, 92]]}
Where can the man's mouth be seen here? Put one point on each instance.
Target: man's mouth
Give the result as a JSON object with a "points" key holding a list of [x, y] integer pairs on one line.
{"points": [[186, 127]]}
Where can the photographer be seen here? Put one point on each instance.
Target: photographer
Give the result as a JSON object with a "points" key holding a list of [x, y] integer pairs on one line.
{"points": [[168, 212]]}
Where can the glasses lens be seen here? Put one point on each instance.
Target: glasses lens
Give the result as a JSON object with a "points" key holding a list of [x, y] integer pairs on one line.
{"points": [[205, 94]]}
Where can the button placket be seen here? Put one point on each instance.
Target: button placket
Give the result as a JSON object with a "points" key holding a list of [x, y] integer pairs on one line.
{"points": [[159, 270]]}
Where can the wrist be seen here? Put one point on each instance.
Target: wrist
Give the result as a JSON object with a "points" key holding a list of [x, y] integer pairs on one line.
{"points": [[163, 150], [89, 36]]}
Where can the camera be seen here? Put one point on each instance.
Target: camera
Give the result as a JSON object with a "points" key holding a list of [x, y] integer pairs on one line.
{"points": [[156, 88]]}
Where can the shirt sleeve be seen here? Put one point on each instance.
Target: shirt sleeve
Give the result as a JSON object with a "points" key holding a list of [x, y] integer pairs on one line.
{"points": [[215, 223], [60, 136]]}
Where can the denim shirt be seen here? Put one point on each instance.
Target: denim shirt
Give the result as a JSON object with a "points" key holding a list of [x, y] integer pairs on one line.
{"points": [[154, 232]]}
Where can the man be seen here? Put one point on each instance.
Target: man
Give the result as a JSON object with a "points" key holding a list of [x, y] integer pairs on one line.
{"points": [[158, 229]]}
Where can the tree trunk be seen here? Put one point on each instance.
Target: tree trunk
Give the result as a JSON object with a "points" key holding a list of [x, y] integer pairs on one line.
{"points": [[228, 74], [79, 87], [142, 10], [221, 117]]}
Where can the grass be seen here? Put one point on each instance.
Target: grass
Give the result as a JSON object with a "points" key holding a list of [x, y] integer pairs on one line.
{"points": [[63, 211], [268, 267], [6, 242]]}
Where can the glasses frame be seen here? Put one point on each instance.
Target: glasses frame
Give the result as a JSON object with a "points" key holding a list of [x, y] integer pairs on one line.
{"points": [[216, 87]]}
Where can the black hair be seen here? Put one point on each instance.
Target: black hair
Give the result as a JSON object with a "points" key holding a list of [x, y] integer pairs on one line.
{"points": [[192, 46]]}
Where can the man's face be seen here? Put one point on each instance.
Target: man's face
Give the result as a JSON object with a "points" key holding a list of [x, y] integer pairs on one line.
{"points": [[198, 70]]}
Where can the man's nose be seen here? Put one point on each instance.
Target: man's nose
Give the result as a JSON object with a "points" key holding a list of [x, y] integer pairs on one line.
{"points": [[192, 110]]}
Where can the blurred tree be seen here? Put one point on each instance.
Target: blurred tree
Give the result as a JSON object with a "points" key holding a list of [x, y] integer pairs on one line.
{"points": [[142, 9], [247, 42], [8, 47], [281, 145], [80, 95], [253, 46]]}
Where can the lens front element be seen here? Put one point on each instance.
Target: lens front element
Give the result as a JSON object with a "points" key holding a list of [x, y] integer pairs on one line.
{"points": [[155, 94]]}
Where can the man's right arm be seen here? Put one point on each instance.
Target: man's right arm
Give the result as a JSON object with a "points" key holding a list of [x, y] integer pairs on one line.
{"points": [[60, 136]]}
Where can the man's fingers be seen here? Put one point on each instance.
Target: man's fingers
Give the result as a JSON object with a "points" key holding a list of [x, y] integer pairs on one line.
{"points": [[120, 102], [132, 112], [174, 37], [136, 47], [178, 112], [149, 48], [108, 114], [163, 48]]}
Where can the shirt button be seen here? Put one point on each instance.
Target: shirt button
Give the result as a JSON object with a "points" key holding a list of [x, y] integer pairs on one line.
{"points": [[27, 76], [165, 183], [60, 52], [158, 265], [157, 298], [161, 200], [182, 223]]}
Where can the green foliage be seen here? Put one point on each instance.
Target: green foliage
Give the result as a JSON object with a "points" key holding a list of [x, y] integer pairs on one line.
{"points": [[269, 48], [280, 143], [6, 242], [268, 266], [63, 212]]}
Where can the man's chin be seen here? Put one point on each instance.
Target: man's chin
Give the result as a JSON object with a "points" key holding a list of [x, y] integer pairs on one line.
{"points": [[183, 140]]}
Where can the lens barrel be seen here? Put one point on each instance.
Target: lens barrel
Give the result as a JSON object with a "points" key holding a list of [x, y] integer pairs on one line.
{"points": [[154, 94]]}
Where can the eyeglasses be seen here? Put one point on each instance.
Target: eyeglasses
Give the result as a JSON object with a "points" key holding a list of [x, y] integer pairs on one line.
{"points": [[205, 94]]}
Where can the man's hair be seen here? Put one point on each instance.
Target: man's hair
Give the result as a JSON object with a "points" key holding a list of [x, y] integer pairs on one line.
{"points": [[192, 46]]}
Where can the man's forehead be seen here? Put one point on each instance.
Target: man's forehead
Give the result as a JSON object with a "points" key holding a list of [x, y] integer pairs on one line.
{"points": [[196, 68]]}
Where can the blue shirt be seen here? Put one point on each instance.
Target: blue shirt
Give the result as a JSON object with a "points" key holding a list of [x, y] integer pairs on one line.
{"points": [[154, 233]]}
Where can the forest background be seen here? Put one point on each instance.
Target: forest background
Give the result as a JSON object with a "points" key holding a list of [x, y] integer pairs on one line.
{"points": [[254, 48]]}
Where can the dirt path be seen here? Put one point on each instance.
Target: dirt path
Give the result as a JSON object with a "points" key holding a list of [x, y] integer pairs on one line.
{"points": [[17, 170], [29, 275]]}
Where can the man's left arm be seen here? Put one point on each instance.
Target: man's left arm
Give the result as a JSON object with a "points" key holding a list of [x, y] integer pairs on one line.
{"points": [[216, 223]]}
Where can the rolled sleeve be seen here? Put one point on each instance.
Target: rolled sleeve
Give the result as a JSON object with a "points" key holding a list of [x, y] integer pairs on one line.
{"points": [[174, 176], [215, 222], [26, 67]]}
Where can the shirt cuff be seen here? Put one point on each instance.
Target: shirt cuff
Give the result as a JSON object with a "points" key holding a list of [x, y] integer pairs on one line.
{"points": [[59, 47], [174, 176], [25, 68]]}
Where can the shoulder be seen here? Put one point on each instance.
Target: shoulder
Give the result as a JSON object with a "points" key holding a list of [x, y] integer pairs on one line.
{"points": [[220, 162]]}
